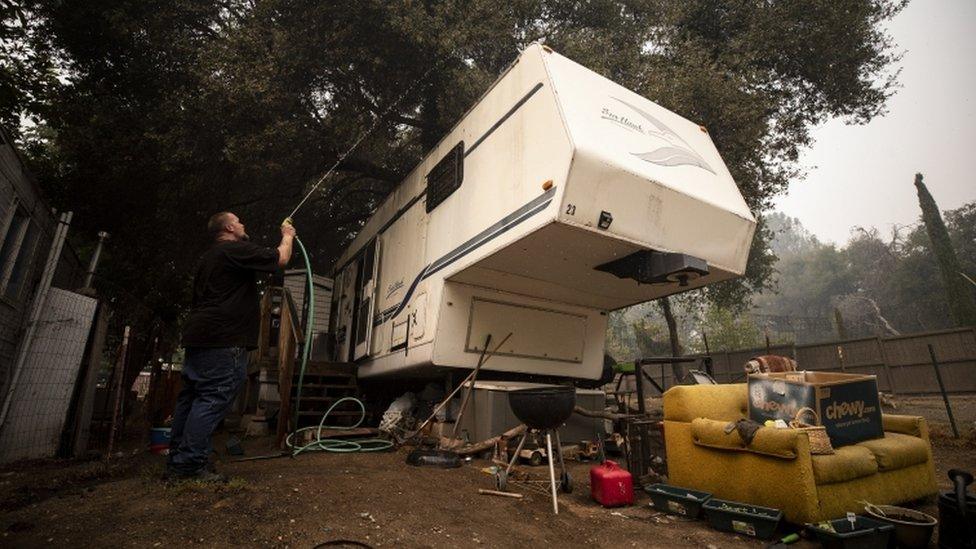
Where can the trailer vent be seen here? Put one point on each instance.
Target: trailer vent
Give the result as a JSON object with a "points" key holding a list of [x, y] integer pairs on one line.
{"points": [[445, 177]]}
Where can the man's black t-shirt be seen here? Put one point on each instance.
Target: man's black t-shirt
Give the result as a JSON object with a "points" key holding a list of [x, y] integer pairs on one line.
{"points": [[225, 297]]}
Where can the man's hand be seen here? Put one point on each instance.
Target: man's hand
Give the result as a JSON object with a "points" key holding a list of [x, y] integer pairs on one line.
{"points": [[284, 248], [287, 229]]}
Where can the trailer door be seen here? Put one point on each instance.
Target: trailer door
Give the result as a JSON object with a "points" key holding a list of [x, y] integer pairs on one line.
{"points": [[368, 263], [345, 287]]}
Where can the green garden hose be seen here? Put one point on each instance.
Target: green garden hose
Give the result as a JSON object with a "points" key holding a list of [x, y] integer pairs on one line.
{"points": [[337, 444], [310, 316], [319, 443]]}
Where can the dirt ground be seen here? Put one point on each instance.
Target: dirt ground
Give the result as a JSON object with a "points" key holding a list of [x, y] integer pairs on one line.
{"points": [[373, 498]]}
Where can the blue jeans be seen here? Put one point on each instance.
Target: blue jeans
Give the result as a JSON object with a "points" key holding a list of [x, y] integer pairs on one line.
{"points": [[211, 380]]}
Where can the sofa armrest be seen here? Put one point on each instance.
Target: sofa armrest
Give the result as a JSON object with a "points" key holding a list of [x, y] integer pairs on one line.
{"points": [[908, 425], [769, 441], [725, 402]]}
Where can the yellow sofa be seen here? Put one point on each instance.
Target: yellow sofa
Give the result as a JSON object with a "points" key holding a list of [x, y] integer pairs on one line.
{"points": [[777, 469]]}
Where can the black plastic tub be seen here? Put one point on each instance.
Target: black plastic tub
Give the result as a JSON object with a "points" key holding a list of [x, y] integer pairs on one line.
{"points": [[677, 500], [865, 533], [913, 529], [742, 518]]}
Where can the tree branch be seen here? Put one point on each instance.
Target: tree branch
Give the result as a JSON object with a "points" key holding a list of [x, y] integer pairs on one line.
{"points": [[415, 122], [369, 169], [602, 414]]}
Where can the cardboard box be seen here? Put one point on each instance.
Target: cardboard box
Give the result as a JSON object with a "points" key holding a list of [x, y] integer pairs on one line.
{"points": [[846, 403]]}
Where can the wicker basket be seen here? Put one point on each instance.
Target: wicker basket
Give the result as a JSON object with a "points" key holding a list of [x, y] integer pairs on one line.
{"points": [[819, 441]]}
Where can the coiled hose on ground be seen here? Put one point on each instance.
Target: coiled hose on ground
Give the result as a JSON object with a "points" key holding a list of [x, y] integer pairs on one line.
{"points": [[319, 443]]}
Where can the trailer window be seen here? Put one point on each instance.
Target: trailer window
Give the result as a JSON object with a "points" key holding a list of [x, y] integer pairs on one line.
{"points": [[445, 177]]}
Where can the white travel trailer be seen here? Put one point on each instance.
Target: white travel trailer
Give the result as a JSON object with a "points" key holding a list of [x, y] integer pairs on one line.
{"points": [[558, 197]]}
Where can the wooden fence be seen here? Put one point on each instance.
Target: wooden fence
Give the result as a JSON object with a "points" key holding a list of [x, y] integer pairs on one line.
{"points": [[901, 363]]}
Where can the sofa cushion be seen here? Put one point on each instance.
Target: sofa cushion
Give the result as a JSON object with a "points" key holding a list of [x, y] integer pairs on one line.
{"points": [[897, 450], [909, 425], [722, 402], [846, 463], [768, 441]]}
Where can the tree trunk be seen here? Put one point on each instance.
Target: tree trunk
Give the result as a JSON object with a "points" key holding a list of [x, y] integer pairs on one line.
{"points": [[958, 293], [677, 368], [839, 324]]}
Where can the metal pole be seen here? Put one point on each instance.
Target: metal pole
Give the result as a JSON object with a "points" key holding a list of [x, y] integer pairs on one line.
{"points": [[945, 397], [518, 452], [552, 473], [102, 235], [639, 380]]}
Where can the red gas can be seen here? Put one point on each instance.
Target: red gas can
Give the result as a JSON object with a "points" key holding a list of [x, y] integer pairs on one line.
{"points": [[610, 485]]}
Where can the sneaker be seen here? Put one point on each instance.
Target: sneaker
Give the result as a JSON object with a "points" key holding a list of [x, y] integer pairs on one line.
{"points": [[208, 477], [203, 475]]}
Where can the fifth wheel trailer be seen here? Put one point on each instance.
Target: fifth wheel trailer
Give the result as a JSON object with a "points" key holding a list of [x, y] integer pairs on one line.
{"points": [[560, 196]]}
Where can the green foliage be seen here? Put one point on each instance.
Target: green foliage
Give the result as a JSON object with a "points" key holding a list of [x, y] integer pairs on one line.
{"points": [[728, 331], [877, 284], [961, 223], [28, 67], [789, 236], [959, 293], [807, 283], [170, 110], [651, 338]]}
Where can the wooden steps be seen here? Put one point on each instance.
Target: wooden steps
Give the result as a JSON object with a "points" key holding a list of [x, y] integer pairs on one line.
{"points": [[324, 384], [274, 371]]}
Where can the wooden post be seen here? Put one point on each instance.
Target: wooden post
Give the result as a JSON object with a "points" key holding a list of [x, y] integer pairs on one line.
{"points": [[470, 391], [118, 378], [884, 364], [265, 327], [155, 373], [839, 321]]}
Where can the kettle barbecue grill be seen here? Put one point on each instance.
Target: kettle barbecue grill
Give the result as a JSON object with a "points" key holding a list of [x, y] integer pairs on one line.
{"points": [[543, 410]]}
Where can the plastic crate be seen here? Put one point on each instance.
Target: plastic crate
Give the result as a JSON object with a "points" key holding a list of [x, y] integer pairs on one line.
{"points": [[742, 518], [866, 533], [677, 500]]}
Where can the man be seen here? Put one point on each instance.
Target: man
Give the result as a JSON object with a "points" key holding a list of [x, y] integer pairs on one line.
{"points": [[222, 327]]}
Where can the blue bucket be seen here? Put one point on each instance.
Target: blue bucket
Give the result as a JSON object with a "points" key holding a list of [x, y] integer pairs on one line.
{"points": [[159, 436]]}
